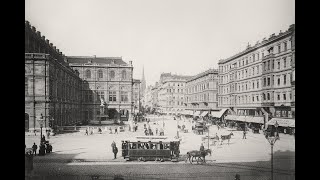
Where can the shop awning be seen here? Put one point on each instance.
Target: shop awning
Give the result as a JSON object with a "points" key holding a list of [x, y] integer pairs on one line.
{"points": [[204, 113], [231, 117], [241, 118], [218, 114], [255, 119], [283, 122], [197, 113]]}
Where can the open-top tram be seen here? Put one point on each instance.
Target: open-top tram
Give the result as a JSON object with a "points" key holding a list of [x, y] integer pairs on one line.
{"points": [[146, 148]]}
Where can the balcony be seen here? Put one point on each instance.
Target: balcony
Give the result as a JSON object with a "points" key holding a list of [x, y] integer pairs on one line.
{"points": [[267, 104], [268, 56]]}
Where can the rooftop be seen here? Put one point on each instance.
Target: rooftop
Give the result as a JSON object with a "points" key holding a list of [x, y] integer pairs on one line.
{"points": [[94, 59]]}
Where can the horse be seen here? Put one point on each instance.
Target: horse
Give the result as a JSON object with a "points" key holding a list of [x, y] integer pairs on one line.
{"points": [[224, 137], [197, 154]]}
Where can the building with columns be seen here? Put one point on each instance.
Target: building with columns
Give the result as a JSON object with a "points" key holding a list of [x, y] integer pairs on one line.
{"points": [[201, 92], [105, 79], [52, 88], [260, 80]]}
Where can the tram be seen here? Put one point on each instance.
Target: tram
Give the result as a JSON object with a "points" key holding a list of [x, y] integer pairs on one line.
{"points": [[146, 148]]}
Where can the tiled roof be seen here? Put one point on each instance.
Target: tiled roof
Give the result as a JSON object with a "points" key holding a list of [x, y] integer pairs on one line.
{"points": [[98, 60]]}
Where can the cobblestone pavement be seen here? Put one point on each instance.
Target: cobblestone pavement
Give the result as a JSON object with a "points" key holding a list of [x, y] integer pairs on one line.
{"points": [[97, 147]]}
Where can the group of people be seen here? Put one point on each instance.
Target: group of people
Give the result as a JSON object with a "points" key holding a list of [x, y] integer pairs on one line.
{"points": [[44, 148], [89, 130]]}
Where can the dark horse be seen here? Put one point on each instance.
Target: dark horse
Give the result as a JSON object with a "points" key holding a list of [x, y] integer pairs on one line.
{"points": [[224, 137], [197, 154]]}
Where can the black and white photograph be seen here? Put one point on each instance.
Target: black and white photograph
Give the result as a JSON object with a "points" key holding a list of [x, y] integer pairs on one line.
{"points": [[159, 89]]}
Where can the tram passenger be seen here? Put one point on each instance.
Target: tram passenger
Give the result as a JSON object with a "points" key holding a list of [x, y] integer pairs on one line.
{"points": [[161, 145], [147, 146]]}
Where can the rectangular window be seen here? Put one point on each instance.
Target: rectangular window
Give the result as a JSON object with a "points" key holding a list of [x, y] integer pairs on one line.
{"points": [[124, 96], [279, 48], [264, 82], [284, 63], [278, 97], [268, 81], [258, 84], [112, 96], [257, 69], [284, 97], [284, 79], [272, 63], [279, 64], [100, 95], [285, 46]]}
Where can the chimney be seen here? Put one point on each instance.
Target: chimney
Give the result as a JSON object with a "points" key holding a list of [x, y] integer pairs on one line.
{"points": [[47, 41], [33, 29], [43, 38]]}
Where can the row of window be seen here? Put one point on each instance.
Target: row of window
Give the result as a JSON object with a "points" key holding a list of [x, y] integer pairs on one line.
{"points": [[174, 84], [281, 47], [173, 90], [88, 96], [100, 74], [256, 98], [201, 97]]}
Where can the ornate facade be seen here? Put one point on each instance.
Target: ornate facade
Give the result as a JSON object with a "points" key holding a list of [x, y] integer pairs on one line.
{"points": [[260, 80], [201, 91], [108, 79], [52, 88], [171, 93]]}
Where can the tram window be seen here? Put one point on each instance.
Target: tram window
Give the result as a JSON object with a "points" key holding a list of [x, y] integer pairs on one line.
{"points": [[134, 146], [161, 146]]}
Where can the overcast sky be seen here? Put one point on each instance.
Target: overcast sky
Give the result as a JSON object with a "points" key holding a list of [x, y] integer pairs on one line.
{"points": [[180, 36]]}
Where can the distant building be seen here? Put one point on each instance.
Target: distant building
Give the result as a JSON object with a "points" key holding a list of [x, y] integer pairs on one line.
{"points": [[260, 80], [136, 95], [171, 93], [201, 92]]}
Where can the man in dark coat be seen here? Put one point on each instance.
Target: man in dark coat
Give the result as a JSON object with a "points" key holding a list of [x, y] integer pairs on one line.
{"points": [[115, 151], [34, 149]]}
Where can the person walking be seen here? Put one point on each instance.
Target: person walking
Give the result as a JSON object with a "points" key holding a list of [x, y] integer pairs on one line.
{"points": [[202, 149], [86, 132], [157, 131], [115, 151], [244, 134], [116, 130], [34, 149]]}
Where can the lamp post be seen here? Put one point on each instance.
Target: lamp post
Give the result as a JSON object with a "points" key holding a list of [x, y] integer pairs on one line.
{"points": [[40, 121], [276, 126], [101, 111], [272, 140]]}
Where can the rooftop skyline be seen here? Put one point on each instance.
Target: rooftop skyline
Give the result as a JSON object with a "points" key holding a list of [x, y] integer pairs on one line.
{"points": [[184, 37]]}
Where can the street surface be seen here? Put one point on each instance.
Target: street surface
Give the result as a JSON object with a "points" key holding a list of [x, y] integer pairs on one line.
{"points": [[77, 154]]}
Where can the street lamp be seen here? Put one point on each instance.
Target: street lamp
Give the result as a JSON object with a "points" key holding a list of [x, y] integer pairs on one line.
{"points": [[272, 140], [40, 121], [101, 110], [276, 126]]}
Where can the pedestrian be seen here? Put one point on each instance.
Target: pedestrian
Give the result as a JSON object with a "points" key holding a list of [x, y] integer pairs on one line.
{"points": [[91, 131], [244, 134], [43, 138], [115, 151], [113, 144], [116, 130], [48, 133], [110, 130], [34, 149], [34, 131], [157, 131], [86, 132]]}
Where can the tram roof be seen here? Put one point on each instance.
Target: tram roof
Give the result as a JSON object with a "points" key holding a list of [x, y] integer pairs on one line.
{"points": [[151, 139]]}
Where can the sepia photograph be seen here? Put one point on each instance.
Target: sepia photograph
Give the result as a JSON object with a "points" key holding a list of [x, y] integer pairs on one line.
{"points": [[159, 89]]}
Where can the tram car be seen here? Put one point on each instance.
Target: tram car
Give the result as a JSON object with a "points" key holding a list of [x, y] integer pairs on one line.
{"points": [[151, 148]]}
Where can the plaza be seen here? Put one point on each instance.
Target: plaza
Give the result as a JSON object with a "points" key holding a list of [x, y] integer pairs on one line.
{"points": [[97, 147]]}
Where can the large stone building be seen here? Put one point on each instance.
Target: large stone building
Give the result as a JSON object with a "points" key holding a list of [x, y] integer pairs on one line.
{"points": [[105, 79], [68, 90], [201, 92], [171, 93], [260, 80], [52, 88]]}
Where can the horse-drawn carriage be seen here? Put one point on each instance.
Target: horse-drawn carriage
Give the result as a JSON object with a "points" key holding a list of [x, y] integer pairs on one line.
{"points": [[199, 128], [143, 148]]}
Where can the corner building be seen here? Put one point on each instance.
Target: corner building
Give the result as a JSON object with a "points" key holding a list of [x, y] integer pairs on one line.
{"points": [[260, 80]]}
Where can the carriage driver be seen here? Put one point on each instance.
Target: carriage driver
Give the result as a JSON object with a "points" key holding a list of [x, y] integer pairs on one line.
{"points": [[202, 149]]}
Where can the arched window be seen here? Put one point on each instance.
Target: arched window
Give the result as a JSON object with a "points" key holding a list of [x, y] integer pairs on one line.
{"points": [[100, 73], [124, 74], [88, 73], [264, 96], [268, 96], [112, 74]]}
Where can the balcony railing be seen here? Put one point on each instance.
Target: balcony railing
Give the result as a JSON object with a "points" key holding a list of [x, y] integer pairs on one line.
{"points": [[267, 103]]}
